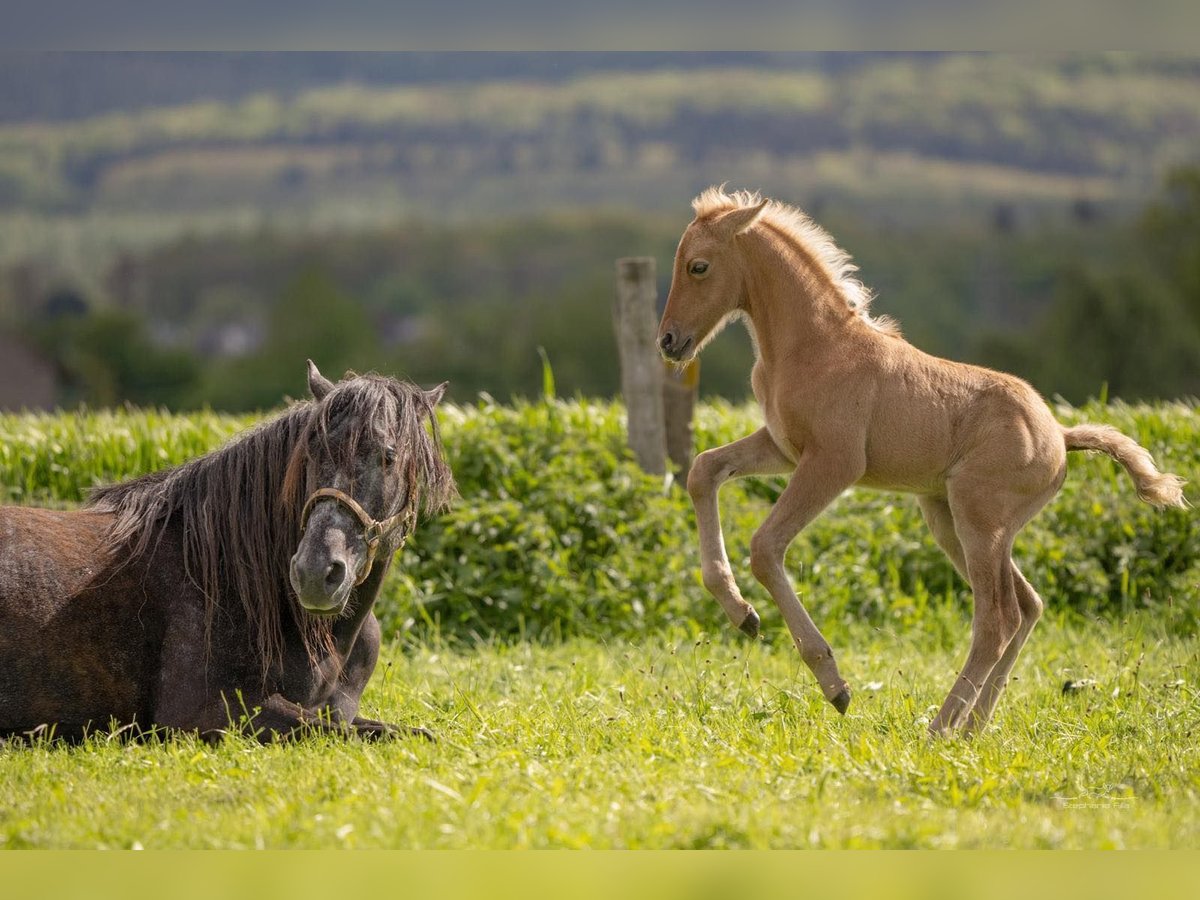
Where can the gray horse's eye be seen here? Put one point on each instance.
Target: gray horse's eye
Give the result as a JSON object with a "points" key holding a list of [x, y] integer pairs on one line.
{"points": [[389, 455]]}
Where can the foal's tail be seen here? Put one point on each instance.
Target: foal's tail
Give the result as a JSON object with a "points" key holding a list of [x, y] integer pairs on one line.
{"points": [[1153, 486]]}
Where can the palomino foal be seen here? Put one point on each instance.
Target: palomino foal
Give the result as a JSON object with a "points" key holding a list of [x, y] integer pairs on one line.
{"points": [[848, 401]]}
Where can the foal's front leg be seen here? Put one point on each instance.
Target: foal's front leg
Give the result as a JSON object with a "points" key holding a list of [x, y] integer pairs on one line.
{"points": [[817, 481], [753, 455]]}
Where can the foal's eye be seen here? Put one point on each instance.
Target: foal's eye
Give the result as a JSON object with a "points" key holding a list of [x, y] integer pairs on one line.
{"points": [[698, 267], [389, 456]]}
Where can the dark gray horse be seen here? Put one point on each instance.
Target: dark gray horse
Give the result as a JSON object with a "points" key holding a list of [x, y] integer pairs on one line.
{"points": [[235, 590]]}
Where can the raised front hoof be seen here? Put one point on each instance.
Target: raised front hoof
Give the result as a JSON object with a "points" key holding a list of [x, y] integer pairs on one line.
{"points": [[841, 702], [750, 624]]}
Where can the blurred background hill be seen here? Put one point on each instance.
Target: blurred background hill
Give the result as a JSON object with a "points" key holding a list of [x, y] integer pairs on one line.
{"points": [[180, 228]]}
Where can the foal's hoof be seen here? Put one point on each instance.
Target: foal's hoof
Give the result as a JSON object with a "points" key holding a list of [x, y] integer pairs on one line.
{"points": [[750, 624], [842, 701]]}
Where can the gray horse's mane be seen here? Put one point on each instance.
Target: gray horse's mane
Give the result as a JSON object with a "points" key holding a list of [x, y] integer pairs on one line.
{"points": [[239, 506]]}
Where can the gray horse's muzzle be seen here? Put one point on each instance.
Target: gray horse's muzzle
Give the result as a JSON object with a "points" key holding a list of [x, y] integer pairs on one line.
{"points": [[322, 571]]}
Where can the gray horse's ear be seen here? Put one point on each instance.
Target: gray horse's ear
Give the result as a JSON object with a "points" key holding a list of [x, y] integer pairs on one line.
{"points": [[318, 384], [434, 395], [738, 220]]}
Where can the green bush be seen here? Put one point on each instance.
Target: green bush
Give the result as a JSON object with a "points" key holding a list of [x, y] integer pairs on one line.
{"points": [[559, 533]]}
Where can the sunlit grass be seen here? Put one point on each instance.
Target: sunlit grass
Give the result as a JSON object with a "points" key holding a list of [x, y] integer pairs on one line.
{"points": [[671, 742]]}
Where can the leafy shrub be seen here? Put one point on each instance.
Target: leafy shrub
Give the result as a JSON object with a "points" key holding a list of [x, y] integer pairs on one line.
{"points": [[559, 533]]}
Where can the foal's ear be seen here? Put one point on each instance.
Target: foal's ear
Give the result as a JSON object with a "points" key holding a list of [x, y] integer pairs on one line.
{"points": [[434, 395], [318, 384], [738, 220]]}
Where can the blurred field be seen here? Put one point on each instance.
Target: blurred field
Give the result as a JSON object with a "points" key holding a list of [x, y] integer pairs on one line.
{"points": [[930, 137]]}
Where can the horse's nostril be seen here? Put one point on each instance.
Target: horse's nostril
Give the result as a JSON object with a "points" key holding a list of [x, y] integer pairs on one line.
{"points": [[667, 340], [335, 575]]}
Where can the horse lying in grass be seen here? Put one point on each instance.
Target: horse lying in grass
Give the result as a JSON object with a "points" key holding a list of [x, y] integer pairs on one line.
{"points": [[235, 590], [848, 401]]}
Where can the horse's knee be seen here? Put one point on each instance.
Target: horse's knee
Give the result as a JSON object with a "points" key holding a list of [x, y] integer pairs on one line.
{"points": [[1031, 606], [766, 559], [703, 476]]}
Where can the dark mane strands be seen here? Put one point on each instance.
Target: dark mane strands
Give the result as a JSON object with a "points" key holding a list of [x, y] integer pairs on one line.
{"points": [[240, 505]]}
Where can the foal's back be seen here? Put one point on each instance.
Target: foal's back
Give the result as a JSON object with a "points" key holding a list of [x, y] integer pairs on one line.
{"points": [[931, 418]]}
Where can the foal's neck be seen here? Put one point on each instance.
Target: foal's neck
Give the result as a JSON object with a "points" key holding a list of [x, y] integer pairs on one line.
{"points": [[793, 306]]}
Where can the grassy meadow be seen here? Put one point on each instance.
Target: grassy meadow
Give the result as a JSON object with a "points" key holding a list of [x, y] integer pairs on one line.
{"points": [[670, 741], [552, 631]]}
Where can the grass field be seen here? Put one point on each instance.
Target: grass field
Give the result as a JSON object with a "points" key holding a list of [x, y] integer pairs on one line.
{"points": [[673, 742]]}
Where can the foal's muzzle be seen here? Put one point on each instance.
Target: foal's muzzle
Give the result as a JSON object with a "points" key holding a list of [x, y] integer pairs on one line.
{"points": [[673, 345]]}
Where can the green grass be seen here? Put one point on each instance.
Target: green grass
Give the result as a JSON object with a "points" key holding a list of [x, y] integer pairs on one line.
{"points": [[673, 742]]}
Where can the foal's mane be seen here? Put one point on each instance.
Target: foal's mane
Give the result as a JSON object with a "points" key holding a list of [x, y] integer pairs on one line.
{"points": [[239, 506], [830, 260]]}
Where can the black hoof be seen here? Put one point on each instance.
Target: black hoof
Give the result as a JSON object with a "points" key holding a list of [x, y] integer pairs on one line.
{"points": [[842, 701], [750, 624], [375, 731]]}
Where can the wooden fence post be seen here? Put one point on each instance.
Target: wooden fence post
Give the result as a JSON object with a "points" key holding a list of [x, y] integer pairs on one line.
{"points": [[681, 384], [635, 316]]}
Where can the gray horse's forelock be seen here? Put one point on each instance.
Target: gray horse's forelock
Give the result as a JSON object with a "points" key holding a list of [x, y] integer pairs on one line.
{"points": [[239, 506]]}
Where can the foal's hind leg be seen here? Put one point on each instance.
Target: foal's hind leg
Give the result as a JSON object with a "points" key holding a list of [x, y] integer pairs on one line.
{"points": [[753, 455], [1030, 605], [941, 525], [987, 548]]}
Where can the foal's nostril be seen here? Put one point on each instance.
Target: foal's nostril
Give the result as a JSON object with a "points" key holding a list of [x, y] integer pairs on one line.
{"points": [[334, 576], [667, 341]]}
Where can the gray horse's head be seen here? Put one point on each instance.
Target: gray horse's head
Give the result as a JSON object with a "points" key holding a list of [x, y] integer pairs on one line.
{"points": [[362, 469]]}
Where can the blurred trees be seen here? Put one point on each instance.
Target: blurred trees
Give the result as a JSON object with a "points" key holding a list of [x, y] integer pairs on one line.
{"points": [[462, 141], [311, 319], [1171, 232], [1132, 324], [229, 321], [107, 357]]}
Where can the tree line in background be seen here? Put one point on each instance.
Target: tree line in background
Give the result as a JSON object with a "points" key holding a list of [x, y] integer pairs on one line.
{"points": [[222, 321]]}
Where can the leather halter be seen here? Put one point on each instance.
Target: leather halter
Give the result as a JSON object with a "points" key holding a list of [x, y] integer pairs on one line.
{"points": [[374, 530]]}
